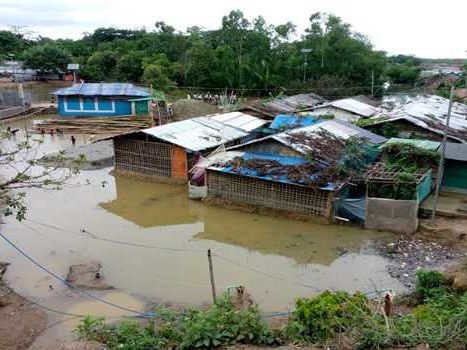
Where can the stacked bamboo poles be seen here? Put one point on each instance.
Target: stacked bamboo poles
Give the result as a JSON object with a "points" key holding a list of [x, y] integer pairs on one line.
{"points": [[94, 125]]}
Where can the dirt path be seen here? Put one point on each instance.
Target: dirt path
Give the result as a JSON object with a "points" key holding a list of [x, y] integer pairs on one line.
{"points": [[20, 321]]}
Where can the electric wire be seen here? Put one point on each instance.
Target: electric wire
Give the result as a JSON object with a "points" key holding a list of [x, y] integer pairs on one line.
{"points": [[83, 292]]}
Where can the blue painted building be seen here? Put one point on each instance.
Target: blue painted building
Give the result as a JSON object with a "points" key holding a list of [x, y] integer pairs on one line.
{"points": [[102, 99]]}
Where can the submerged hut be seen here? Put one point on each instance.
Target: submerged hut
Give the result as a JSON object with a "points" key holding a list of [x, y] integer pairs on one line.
{"points": [[297, 171], [284, 183], [103, 100], [167, 152]]}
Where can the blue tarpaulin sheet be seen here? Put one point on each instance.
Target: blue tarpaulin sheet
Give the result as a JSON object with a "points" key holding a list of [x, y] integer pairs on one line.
{"points": [[353, 209], [284, 121], [263, 174]]}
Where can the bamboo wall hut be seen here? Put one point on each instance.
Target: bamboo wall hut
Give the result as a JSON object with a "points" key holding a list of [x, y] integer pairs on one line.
{"points": [[285, 183], [168, 152]]}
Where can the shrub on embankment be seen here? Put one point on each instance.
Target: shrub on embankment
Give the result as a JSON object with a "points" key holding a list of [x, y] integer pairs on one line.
{"points": [[438, 317]]}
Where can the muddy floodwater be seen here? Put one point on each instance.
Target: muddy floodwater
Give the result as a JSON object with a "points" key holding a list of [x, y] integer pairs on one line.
{"points": [[152, 241]]}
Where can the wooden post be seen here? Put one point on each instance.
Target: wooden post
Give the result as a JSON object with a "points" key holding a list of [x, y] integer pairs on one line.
{"points": [[211, 276]]}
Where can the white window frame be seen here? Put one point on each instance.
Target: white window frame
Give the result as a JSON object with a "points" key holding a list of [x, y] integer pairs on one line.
{"points": [[82, 110]]}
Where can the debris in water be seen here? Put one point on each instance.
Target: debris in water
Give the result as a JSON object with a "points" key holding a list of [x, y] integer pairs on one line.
{"points": [[87, 276]]}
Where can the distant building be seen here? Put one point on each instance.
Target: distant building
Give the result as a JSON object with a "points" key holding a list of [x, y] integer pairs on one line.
{"points": [[102, 99], [348, 109], [283, 105]]}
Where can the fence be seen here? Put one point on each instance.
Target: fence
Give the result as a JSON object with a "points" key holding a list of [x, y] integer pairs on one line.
{"points": [[269, 194], [14, 99]]}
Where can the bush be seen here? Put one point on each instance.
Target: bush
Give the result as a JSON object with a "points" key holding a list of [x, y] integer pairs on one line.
{"points": [[429, 285], [321, 317], [441, 321], [219, 325]]}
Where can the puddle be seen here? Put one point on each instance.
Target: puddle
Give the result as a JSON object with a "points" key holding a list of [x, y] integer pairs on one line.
{"points": [[152, 241]]}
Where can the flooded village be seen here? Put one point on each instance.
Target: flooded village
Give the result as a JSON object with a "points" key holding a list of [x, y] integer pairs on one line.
{"points": [[134, 214]]}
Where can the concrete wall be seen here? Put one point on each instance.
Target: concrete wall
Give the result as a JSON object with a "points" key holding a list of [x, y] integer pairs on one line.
{"points": [[400, 216]]}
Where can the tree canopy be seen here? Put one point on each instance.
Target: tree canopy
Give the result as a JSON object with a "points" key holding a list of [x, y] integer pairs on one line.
{"points": [[47, 58], [240, 54]]}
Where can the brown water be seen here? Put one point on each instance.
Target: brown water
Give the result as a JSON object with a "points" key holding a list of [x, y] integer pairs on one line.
{"points": [[152, 242]]}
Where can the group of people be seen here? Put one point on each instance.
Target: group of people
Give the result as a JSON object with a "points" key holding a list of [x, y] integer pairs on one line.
{"points": [[52, 132], [215, 99]]}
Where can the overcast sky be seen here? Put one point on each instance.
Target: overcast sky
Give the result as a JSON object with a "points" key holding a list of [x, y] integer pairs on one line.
{"points": [[426, 28]]}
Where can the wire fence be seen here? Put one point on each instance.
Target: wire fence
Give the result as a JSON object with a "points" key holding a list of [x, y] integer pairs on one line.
{"points": [[83, 233]]}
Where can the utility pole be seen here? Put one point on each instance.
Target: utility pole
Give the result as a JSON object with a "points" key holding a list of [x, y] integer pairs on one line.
{"points": [[465, 72], [372, 83], [305, 52], [439, 178], [211, 276]]}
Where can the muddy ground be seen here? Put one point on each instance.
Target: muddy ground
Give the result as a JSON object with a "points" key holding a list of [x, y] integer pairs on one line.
{"points": [[91, 156], [432, 248], [20, 321]]}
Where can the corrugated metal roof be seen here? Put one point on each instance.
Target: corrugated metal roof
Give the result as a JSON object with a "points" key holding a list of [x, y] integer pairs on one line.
{"points": [[353, 106], [283, 121], [429, 112], [103, 89], [336, 127], [425, 144], [219, 162], [456, 151], [196, 134], [239, 120], [286, 104]]}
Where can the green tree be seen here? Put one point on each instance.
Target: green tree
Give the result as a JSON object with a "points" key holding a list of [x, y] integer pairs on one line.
{"points": [[11, 44], [154, 74], [100, 66], [130, 66], [48, 58]]}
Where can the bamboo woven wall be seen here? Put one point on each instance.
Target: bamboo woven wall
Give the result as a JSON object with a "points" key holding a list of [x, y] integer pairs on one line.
{"points": [[293, 198], [142, 157]]}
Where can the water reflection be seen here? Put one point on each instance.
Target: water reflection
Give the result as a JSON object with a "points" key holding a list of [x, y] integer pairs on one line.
{"points": [[149, 204]]}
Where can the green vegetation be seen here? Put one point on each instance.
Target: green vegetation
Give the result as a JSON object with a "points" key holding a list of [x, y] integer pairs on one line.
{"points": [[399, 155], [221, 324], [47, 58], [320, 318], [438, 318], [241, 54], [408, 160]]}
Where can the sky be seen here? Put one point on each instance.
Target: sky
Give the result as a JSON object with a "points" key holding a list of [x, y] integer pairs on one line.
{"points": [[429, 28]]}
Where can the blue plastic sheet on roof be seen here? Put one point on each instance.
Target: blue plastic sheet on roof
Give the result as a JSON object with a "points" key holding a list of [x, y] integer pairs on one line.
{"points": [[284, 121], [283, 160], [103, 89]]}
